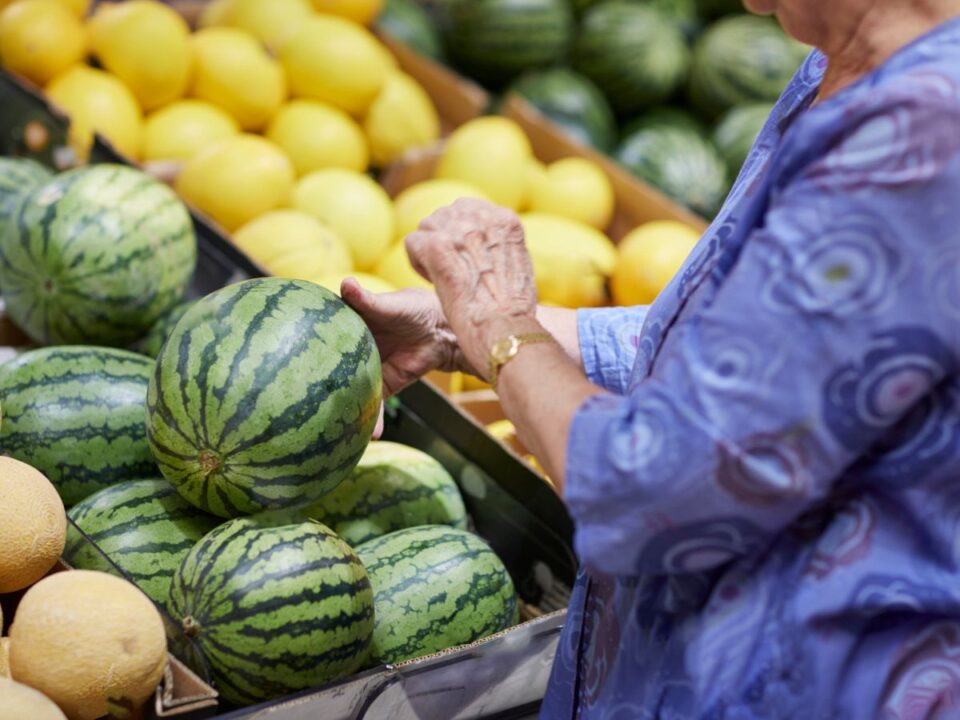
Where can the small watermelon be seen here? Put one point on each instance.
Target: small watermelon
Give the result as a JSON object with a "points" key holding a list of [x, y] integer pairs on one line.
{"points": [[76, 414], [738, 131], [273, 609], [96, 256], [635, 54], [406, 21], [392, 488], [264, 397], [496, 40], [435, 588], [143, 526], [679, 161], [742, 59], [18, 176], [151, 343], [573, 102]]}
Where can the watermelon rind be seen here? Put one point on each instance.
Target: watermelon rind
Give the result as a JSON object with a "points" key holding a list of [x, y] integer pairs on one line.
{"points": [[737, 132], [18, 176], [151, 343], [406, 21]]}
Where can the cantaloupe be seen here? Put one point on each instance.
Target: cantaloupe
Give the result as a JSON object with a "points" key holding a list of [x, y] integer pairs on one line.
{"points": [[33, 525], [83, 637], [20, 702]]}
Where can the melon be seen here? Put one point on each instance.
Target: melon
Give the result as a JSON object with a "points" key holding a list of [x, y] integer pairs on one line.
{"points": [[21, 702]]}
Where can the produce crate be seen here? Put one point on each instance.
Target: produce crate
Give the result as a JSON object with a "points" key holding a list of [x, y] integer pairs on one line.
{"points": [[523, 520]]}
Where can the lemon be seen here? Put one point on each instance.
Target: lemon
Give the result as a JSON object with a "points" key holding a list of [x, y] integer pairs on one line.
{"points": [[360, 11], [648, 258], [311, 262], [237, 179], [316, 135], [273, 21], [336, 61], [216, 14], [96, 101], [353, 206], [395, 268], [492, 153], [147, 45], [233, 71], [279, 233], [373, 283], [40, 40], [533, 175], [401, 118], [77, 7], [576, 188], [182, 129], [571, 261], [419, 201]]}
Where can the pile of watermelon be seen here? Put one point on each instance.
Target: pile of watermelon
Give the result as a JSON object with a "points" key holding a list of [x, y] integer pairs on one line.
{"points": [[675, 90], [251, 505]]}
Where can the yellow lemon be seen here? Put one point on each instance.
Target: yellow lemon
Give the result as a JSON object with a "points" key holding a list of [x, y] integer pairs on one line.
{"points": [[96, 101], [316, 135], [533, 175], [39, 39], [233, 71], [182, 129], [353, 206], [360, 11], [282, 232], [215, 14], [492, 153], [147, 45], [77, 7], [336, 61], [273, 21], [395, 268], [373, 283], [419, 201], [576, 188], [311, 262], [401, 118], [237, 179], [571, 261], [648, 258]]}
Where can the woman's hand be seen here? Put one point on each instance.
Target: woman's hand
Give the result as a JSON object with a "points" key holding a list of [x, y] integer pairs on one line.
{"points": [[411, 333], [474, 254]]}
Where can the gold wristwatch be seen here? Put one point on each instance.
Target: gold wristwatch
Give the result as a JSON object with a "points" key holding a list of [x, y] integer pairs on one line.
{"points": [[505, 350]]}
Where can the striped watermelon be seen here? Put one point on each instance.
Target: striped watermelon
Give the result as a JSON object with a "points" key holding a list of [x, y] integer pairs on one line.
{"points": [[635, 54], [737, 132], [264, 397], [409, 23], [96, 255], [143, 526], [393, 487], [496, 40], [435, 588], [18, 176], [76, 414], [151, 343], [274, 609], [742, 59]]}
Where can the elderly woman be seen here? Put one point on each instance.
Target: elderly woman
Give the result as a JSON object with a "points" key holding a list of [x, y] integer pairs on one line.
{"points": [[764, 466]]}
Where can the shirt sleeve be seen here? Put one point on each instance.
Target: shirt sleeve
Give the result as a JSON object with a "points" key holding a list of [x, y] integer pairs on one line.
{"points": [[834, 322], [609, 338]]}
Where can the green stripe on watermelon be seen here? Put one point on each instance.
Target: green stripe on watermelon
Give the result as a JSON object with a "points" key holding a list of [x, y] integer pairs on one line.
{"points": [[18, 176], [144, 527], [95, 256], [274, 609], [392, 488], [76, 414], [264, 397], [151, 343], [435, 588]]}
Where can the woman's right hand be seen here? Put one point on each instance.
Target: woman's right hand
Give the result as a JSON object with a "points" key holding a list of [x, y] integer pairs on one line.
{"points": [[412, 334]]}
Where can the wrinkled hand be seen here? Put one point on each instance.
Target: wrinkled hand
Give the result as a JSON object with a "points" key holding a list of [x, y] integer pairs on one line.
{"points": [[412, 335], [474, 254]]}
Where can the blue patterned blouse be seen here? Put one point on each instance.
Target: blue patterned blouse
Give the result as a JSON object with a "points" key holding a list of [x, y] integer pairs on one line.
{"points": [[768, 507]]}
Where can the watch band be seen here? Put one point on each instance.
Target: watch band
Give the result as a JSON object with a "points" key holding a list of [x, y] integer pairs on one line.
{"points": [[506, 349]]}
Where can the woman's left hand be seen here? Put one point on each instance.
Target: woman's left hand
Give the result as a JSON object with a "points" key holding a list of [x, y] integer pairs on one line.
{"points": [[474, 254]]}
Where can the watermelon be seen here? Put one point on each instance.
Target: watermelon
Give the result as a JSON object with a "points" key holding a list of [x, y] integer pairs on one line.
{"points": [[151, 343], [711, 9], [76, 414], [143, 526], [393, 487], [18, 176], [273, 609], [667, 116], [264, 397], [635, 54], [406, 21], [573, 102], [738, 131], [434, 588], [96, 256], [742, 59], [496, 40], [679, 161]]}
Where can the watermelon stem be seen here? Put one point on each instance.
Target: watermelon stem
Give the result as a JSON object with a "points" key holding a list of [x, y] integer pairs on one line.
{"points": [[191, 628], [209, 462]]}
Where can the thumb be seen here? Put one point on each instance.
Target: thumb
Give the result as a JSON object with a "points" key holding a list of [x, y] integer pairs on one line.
{"points": [[359, 298]]}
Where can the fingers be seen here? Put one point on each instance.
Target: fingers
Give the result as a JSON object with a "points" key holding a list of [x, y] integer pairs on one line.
{"points": [[378, 428]]}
